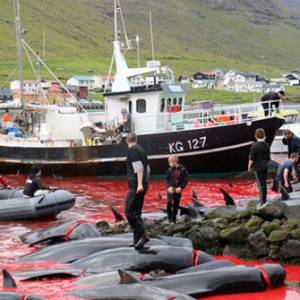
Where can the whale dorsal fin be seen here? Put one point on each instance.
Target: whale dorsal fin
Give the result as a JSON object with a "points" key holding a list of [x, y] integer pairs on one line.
{"points": [[126, 278], [118, 216], [8, 281], [227, 198]]}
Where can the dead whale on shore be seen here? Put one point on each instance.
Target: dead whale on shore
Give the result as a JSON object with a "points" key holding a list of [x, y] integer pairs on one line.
{"points": [[166, 258], [71, 251], [9, 283], [130, 292], [74, 230], [113, 277], [108, 278], [232, 279]]}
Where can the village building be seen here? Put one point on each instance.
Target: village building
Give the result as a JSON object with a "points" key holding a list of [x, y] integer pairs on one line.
{"points": [[204, 80], [79, 81], [184, 79], [102, 81], [239, 82]]}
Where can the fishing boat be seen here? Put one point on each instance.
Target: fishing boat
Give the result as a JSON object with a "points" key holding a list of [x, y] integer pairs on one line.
{"points": [[65, 140]]}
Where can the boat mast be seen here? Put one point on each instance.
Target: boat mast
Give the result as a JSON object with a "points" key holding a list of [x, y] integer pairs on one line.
{"points": [[151, 34], [20, 47], [138, 50]]}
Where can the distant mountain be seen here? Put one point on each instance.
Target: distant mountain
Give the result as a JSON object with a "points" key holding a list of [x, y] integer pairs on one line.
{"points": [[252, 35]]}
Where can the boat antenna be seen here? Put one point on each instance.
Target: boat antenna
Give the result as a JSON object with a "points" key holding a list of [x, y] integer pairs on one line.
{"points": [[138, 50], [44, 44], [151, 35], [19, 47]]}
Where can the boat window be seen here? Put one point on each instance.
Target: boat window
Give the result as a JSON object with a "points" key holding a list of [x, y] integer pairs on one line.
{"points": [[169, 103], [180, 102], [162, 104], [141, 105], [174, 101], [130, 107]]}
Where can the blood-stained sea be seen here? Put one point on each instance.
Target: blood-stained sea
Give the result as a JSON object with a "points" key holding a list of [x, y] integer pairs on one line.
{"points": [[94, 198]]}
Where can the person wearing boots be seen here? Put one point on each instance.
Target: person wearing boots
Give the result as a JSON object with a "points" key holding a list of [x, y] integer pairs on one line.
{"points": [[177, 179]]}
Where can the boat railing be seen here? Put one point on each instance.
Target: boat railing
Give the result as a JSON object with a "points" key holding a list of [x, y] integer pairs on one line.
{"points": [[199, 118]]}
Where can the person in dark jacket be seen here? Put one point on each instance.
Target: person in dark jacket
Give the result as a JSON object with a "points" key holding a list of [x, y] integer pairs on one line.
{"points": [[270, 100], [34, 185], [177, 179], [285, 173], [292, 141], [138, 171], [258, 162]]}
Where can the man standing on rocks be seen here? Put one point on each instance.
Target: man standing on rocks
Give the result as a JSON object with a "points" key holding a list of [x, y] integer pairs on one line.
{"points": [[138, 172], [258, 162]]}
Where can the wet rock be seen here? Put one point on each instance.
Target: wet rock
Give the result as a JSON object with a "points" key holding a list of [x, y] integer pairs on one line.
{"points": [[259, 243], [268, 227], [235, 234], [291, 249], [207, 239], [253, 224], [219, 223], [177, 228], [103, 226], [270, 212], [248, 212], [228, 213], [278, 236], [290, 224], [296, 234], [273, 251], [238, 250], [292, 212]]}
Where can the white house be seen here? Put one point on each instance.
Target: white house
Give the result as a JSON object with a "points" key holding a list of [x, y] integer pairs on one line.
{"points": [[273, 88], [79, 81], [184, 79], [292, 79], [101, 80], [29, 86], [243, 82]]}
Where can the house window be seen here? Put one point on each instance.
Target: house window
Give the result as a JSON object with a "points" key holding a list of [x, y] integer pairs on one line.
{"points": [[141, 105], [174, 101]]}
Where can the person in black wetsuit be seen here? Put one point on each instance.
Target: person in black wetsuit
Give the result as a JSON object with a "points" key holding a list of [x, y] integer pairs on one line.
{"points": [[138, 172], [271, 100], [258, 162], [177, 179], [34, 185]]}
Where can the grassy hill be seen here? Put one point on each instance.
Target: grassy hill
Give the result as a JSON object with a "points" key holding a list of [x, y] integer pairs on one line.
{"points": [[190, 35]]}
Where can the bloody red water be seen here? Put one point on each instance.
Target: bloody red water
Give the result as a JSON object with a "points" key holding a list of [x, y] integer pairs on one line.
{"points": [[93, 201]]}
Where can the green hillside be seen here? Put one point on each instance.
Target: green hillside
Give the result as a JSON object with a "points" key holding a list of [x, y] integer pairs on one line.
{"points": [[190, 35]]}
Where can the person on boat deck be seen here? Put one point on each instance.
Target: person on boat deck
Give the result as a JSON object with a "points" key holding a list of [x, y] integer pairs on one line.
{"points": [[126, 122], [177, 179], [34, 186], [258, 162], [292, 141], [270, 100], [285, 172], [138, 172], [6, 120]]}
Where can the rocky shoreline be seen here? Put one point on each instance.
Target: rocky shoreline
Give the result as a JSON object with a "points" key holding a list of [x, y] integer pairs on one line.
{"points": [[271, 232]]}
